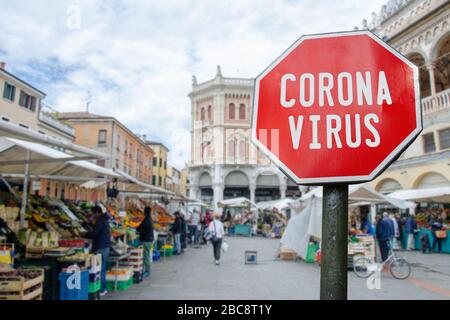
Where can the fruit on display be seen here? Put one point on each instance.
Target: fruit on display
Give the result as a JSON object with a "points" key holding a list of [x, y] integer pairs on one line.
{"points": [[15, 274]]}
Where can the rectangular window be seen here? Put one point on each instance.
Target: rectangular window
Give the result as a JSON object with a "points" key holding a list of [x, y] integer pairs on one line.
{"points": [[154, 180], [428, 143], [9, 92], [155, 161], [165, 165], [444, 138], [27, 101], [160, 181], [160, 163], [102, 136]]}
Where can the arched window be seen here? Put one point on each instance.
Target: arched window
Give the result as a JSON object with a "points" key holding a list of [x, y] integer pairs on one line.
{"points": [[231, 149], [242, 111], [242, 149], [231, 111], [202, 114], [209, 113]]}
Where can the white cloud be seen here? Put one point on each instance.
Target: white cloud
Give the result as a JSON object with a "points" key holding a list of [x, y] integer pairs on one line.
{"points": [[136, 57]]}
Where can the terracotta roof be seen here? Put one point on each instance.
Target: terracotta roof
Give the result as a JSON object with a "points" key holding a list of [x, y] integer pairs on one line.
{"points": [[80, 115]]}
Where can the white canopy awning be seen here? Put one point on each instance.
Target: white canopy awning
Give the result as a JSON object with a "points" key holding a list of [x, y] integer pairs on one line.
{"points": [[45, 161], [280, 205], [426, 195], [240, 202], [363, 193], [134, 185]]}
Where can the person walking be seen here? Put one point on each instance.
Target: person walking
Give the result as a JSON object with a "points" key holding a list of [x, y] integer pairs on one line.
{"points": [[177, 231], [146, 238], [195, 223], [101, 241], [217, 231], [394, 243], [410, 227], [383, 234], [436, 225]]}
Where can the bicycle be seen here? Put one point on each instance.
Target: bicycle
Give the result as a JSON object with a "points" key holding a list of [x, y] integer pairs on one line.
{"points": [[398, 266]]}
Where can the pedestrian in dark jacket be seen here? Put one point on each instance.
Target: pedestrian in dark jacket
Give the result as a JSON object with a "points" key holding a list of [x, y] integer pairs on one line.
{"points": [[101, 236], [183, 233], [436, 225], [410, 227], [384, 234], [146, 238], [177, 231]]}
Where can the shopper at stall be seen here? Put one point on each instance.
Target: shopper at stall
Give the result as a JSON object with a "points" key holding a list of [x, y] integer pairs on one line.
{"points": [[195, 224], [217, 232], [177, 231], [146, 238], [366, 226], [410, 227], [384, 235], [394, 243], [184, 232], [101, 236], [436, 224]]}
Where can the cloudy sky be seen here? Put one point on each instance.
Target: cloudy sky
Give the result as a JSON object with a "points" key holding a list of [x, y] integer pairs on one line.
{"points": [[135, 58]]}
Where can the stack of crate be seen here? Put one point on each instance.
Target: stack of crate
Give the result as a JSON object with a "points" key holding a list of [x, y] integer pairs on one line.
{"points": [[94, 276], [10, 215], [13, 287], [368, 243], [135, 262]]}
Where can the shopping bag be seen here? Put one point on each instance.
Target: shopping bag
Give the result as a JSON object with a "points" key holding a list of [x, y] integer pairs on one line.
{"points": [[441, 234], [224, 246]]}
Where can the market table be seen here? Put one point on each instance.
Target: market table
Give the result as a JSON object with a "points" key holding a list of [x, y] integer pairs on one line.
{"points": [[116, 260], [418, 243]]}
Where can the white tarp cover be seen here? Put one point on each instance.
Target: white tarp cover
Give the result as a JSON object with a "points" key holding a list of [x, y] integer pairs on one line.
{"points": [[14, 149], [281, 205], [305, 222], [240, 202], [426, 195], [364, 193]]}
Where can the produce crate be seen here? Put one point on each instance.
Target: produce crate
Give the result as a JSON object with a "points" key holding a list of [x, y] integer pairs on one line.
{"points": [[166, 252], [74, 294], [19, 288], [311, 253], [94, 286], [122, 274], [94, 277], [51, 270], [288, 255], [156, 255], [136, 252], [231, 231], [121, 285]]}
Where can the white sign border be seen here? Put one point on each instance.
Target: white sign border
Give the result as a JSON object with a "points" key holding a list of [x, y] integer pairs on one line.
{"points": [[337, 179]]}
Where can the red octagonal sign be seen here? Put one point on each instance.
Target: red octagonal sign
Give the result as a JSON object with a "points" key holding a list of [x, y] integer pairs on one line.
{"points": [[336, 108]]}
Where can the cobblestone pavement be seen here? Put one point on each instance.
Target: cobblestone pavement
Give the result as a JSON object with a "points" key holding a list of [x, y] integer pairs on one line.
{"points": [[194, 275]]}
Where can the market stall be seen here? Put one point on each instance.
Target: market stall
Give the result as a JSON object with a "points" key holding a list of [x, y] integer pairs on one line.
{"points": [[303, 231], [239, 216], [273, 217]]}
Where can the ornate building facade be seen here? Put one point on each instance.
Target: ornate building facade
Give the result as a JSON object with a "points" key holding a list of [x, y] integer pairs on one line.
{"points": [[420, 30], [224, 163]]}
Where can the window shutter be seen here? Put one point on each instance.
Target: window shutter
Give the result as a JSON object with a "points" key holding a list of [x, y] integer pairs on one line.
{"points": [[13, 93], [5, 90]]}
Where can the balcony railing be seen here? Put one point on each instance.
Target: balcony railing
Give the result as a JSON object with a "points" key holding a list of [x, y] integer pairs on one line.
{"points": [[436, 103], [49, 120]]}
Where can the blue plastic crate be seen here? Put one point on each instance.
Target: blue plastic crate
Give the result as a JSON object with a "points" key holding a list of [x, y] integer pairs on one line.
{"points": [[156, 255], [74, 294]]}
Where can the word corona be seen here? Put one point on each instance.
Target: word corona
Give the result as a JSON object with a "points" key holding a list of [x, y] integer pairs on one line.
{"points": [[351, 128]]}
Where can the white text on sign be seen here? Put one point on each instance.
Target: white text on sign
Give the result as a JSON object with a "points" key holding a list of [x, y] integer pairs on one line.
{"points": [[343, 88]]}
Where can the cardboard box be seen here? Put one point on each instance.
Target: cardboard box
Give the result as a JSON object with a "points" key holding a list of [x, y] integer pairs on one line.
{"points": [[288, 255]]}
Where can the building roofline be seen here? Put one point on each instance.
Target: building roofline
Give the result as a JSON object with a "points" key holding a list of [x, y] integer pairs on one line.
{"points": [[114, 120], [26, 84]]}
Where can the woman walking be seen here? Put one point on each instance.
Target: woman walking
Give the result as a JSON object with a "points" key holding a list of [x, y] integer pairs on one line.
{"points": [[216, 230]]}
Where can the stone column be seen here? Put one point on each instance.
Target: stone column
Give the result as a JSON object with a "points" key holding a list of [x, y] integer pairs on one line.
{"points": [[218, 194], [252, 188], [283, 188], [431, 67]]}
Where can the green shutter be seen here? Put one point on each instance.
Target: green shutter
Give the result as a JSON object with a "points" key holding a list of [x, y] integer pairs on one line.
{"points": [[5, 90]]}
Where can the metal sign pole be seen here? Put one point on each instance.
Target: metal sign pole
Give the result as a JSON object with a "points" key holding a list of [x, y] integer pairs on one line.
{"points": [[334, 251]]}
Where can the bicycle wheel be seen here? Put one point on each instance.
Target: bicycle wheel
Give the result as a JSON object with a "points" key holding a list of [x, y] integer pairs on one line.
{"points": [[360, 267], [400, 268]]}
